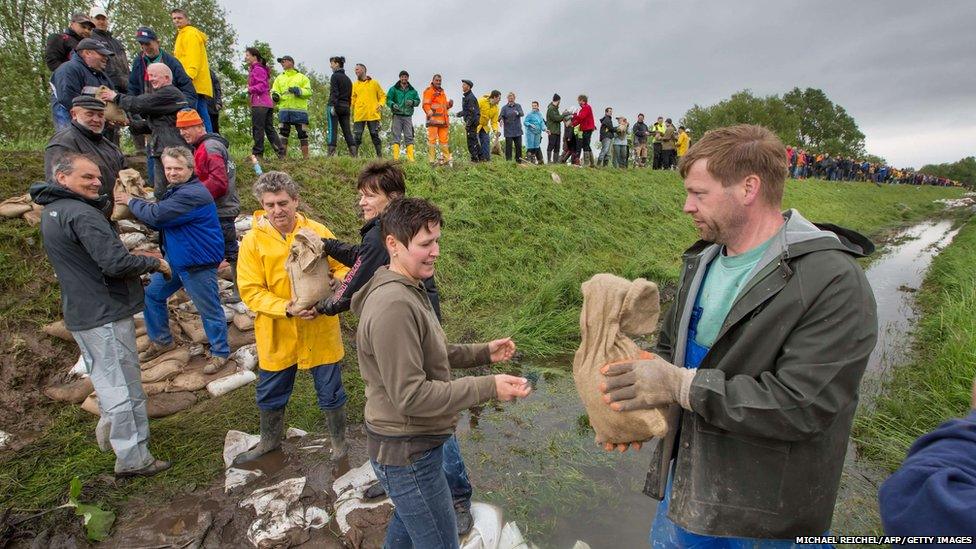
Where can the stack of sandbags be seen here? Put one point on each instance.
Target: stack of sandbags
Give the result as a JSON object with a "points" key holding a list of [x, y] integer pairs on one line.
{"points": [[23, 207]]}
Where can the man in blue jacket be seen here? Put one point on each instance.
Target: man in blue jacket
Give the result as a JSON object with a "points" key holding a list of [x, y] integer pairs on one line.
{"points": [[82, 74], [193, 243], [100, 292], [934, 491]]}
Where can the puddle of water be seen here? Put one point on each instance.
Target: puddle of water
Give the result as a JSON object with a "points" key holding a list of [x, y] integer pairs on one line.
{"points": [[537, 460]]}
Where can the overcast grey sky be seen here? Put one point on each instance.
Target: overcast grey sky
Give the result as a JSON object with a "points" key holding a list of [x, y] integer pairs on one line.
{"points": [[905, 70]]}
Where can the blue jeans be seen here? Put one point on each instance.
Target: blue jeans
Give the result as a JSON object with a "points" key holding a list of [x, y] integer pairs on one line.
{"points": [[204, 112], [424, 516], [485, 141], [457, 475], [201, 284], [274, 388], [61, 116]]}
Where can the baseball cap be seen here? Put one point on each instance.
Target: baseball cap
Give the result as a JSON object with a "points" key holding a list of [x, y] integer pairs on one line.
{"points": [[81, 18], [145, 35], [187, 118], [95, 45], [286, 58], [97, 11], [88, 102]]}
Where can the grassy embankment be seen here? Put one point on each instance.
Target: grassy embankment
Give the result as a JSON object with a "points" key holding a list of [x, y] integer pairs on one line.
{"points": [[516, 247], [937, 384]]}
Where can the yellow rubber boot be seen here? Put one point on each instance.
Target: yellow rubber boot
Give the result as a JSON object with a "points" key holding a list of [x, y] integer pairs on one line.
{"points": [[410, 153], [396, 151], [432, 153], [447, 153]]}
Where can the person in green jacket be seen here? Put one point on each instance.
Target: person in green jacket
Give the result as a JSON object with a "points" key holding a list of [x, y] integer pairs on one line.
{"points": [[291, 90], [402, 98], [554, 122]]}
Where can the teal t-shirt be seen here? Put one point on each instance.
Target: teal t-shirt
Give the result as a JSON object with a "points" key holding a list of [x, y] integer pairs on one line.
{"points": [[726, 277]]}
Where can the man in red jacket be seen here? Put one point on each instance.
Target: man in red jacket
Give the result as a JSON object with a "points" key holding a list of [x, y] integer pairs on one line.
{"points": [[216, 171], [584, 119]]}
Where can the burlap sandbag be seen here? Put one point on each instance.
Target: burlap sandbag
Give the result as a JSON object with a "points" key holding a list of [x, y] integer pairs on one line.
{"points": [[142, 342], [189, 381], [237, 339], [33, 216], [192, 326], [613, 308], [57, 329], [73, 392], [113, 113], [308, 270], [155, 388], [90, 405], [243, 322], [16, 206], [164, 371], [179, 354], [167, 404], [131, 182]]}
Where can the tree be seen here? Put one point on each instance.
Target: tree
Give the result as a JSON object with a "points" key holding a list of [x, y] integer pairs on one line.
{"points": [[963, 170], [824, 126], [745, 108]]}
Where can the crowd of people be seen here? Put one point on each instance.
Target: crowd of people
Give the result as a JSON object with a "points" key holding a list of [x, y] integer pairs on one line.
{"points": [[804, 164], [764, 391]]}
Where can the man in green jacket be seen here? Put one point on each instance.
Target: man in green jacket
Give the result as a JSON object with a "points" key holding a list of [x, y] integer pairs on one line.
{"points": [[759, 358], [402, 98], [291, 90], [554, 127]]}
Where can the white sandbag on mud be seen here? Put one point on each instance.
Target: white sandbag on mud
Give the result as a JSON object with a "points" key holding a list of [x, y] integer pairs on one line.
{"points": [[349, 490], [246, 357], [79, 368], [58, 330], [167, 404], [487, 527], [614, 307], [130, 181], [180, 354], [227, 384], [74, 391], [308, 270], [16, 206], [280, 518], [229, 313]]}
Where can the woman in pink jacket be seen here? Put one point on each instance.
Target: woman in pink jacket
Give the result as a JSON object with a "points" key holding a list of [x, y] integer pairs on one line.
{"points": [[262, 108], [584, 119]]}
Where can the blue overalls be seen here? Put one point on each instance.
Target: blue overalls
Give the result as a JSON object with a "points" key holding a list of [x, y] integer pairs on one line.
{"points": [[667, 534]]}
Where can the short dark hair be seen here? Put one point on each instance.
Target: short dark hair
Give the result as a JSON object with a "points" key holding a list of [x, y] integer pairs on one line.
{"points": [[180, 11], [385, 176], [340, 60], [608, 109], [582, 98], [404, 73], [404, 218], [494, 93]]}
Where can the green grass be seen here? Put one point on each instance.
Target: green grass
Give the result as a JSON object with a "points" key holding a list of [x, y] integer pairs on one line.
{"points": [[516, 247], [937, 385]]}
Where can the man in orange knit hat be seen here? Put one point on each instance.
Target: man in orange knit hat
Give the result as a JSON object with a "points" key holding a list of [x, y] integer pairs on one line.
{"points": [[216, 171]]}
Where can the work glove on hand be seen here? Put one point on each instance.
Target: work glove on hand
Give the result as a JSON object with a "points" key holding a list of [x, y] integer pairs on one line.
{"points": [[646, 384], [296, 91]]}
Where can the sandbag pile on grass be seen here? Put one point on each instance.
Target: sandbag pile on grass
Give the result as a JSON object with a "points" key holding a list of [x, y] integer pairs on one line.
{"points": [[23, 207]]}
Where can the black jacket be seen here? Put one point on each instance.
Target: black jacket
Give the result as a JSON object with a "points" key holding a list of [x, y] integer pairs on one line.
{"points": [[606, 127], [99, 278], [158, 116], [79, 139], [340, 90], [118, 64], [59, 48], [363, 260], [641, 131], [470, 111], [72, 78], [138, 84]]}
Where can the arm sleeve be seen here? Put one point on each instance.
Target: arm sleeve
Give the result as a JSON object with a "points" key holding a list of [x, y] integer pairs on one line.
{"points": [[135, 78], [67, 87], [468, 356], [934, 490], [52, 54], [163, 213], [344, 253], [817, 372], [103, 245], [369, 260], [380, 94], [306, 87], [278, 85], [216, 174], [400, 361], [193, 61], [148, 103], [427, 106], [252, 284], [260, 84], [333, 89]]}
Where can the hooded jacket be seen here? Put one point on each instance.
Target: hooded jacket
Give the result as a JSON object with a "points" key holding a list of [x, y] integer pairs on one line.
{"points": [[59, 48], [340, 90], [367, 97], [554, 119], [99, 278], [76, 138], [266, 289], [401, 101], [157, 112], [534, 126], [117, 68], [215, 169], [488, 120], [72, 78], [259, 86], [363, 261], [470, 112], [406, 361], [187, 219], [190, 48], [584, 118], [139, 78], [291, 78], [761, 454], [607, 128], [683, 142]]}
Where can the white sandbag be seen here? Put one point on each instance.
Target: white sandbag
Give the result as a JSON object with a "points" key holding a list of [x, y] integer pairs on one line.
{"points": [[349, 490], [5, 439], [227, 384], [243, 224], [239, 308], [246, 357], [133, 240], [237, 442], [280, 515], [512, 538], [487, 527], [131, 226], [79, 368], [316, 518], [235, 478]]}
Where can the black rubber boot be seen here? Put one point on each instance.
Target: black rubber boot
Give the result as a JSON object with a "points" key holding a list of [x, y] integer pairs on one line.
{"points": [[354, 151], [465, 522], [331, 150], [272, 428], [336, 422]]}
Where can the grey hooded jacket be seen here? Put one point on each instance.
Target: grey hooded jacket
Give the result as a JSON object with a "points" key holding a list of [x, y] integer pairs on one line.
{"points": [[761, 454]]}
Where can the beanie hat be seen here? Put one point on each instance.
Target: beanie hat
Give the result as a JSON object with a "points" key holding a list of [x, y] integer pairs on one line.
{"points": [[187, 118], [555, 97]]}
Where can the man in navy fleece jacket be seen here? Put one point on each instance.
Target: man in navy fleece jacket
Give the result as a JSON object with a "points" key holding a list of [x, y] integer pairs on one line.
{"points": [[934, 491]]}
